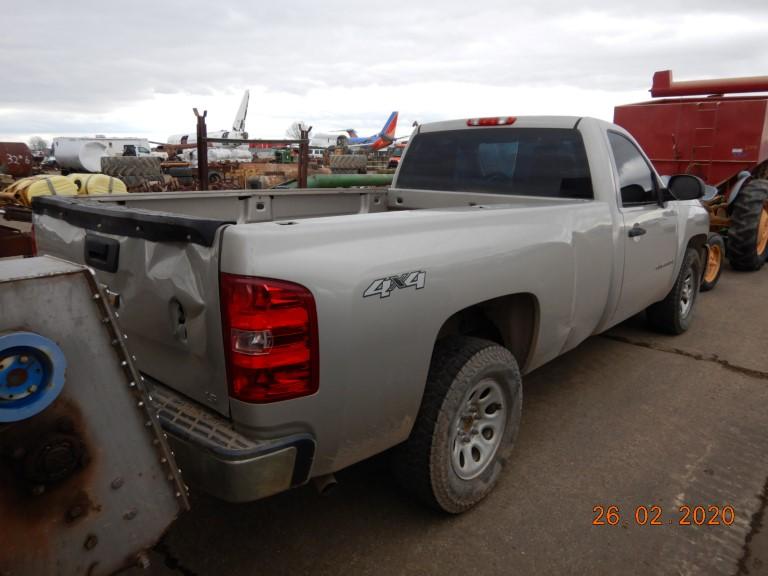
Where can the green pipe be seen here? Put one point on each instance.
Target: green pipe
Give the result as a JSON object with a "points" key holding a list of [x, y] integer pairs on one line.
{"points": [[342, 181]]}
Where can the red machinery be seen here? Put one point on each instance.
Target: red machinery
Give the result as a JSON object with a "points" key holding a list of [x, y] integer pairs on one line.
{"points": [[16, 159], [723, 140]]}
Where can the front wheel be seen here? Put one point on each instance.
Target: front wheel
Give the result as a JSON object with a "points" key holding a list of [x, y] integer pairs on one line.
{"points": [[466, 426], [673, 314]]}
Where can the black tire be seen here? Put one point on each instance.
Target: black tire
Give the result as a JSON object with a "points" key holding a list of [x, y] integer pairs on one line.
{"points": [[424, 464], [134, 171], [349, 162], [746, 211], [668, 314], [713, 265]]}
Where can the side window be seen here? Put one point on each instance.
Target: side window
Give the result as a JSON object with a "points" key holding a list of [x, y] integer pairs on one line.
{"points": [[635, 177]]}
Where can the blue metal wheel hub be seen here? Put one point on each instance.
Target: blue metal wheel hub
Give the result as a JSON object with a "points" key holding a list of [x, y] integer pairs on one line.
{"points": [[31, 375]]}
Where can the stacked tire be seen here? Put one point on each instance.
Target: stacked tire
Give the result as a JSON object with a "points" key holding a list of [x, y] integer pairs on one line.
{"points": [[349, 163], [134, 171]]}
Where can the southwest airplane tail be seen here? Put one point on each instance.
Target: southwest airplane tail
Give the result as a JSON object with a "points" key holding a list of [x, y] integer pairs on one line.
{"points": [[379, 140], [388, 132]]}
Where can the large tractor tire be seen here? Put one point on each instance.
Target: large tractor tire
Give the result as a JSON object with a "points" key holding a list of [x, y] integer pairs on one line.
{"points": [[134, 171], [713, 266], [353, 162], [748, 234]]}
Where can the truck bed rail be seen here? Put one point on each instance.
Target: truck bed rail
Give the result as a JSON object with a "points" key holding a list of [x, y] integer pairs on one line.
{"points": [[137, 223]]}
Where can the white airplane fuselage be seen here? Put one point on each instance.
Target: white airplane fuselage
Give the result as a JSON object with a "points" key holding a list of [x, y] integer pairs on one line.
{"points": [[181, 139]]}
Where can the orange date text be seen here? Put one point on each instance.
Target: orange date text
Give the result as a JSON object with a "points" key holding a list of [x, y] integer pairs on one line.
{"points": [[654, 515]]}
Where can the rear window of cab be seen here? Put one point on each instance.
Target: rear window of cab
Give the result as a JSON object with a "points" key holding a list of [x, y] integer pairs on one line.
{"points": [[545, 162]]}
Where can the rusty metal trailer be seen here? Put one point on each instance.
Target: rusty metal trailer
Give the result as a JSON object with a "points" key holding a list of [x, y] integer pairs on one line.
{"points": [[700, 128], [87, 480]]}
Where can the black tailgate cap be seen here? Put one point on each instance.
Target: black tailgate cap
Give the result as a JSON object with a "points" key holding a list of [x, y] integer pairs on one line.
{"points": [[134, 222]]}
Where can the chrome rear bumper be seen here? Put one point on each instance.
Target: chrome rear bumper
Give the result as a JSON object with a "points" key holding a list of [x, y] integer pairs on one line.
{"points": [[221, 461]]}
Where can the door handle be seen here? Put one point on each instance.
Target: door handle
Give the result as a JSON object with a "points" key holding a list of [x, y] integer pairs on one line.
{"points": [[636, 230], [101, 252]]}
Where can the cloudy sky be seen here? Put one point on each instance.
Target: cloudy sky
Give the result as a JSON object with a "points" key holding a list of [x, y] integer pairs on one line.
{"points": [[136, 67]]}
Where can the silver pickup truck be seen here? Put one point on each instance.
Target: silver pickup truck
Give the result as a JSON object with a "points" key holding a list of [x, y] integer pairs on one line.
{"points": [[290, 333]]}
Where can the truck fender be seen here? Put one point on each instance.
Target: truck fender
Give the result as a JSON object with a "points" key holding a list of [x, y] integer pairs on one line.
{"points": [[742, 176]]}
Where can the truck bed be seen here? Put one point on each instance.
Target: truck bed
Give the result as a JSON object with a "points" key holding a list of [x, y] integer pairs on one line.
{"points": [[162, 253]]}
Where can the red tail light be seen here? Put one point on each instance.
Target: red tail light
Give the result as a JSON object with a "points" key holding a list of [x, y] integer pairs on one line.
{"points": [[494, 121], [270, 338]]}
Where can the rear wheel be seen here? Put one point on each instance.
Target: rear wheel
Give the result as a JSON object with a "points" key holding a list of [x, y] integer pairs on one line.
{"points": [[673, 314], [466, 426], [748, 234], [713, 266]]}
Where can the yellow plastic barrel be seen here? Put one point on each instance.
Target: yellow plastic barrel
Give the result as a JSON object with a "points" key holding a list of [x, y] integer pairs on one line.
{"points": [[42, 185], [91, 184]]}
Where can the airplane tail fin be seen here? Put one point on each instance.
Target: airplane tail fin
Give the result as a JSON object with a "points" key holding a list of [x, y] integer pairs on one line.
{"points": [[389, 128], [239, 124]]}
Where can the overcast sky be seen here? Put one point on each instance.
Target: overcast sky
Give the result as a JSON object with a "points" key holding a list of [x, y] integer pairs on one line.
{"points": [[138, 68]]}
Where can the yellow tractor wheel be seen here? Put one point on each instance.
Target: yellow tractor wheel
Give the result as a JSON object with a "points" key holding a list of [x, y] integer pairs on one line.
{"points": [[713, 266]]}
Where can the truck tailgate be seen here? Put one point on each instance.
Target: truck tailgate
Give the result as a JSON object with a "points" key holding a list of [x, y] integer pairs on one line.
{"points": [[163, 270]]}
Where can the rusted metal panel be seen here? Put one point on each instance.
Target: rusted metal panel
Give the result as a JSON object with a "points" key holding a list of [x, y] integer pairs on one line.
{"points": [[89, 482], [14, 242], [303, 157], [16, 159]]}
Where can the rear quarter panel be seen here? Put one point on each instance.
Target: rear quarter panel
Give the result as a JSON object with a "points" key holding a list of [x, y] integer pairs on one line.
{"points": [[375, 352]]}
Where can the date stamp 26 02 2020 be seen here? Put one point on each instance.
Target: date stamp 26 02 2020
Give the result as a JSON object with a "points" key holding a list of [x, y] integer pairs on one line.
{"points": [[685, 515]]}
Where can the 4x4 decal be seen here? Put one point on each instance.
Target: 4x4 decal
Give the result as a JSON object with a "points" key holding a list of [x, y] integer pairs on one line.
{"points": [[383, 287]]}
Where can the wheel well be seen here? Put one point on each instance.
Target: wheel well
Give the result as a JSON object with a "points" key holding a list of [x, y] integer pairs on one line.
{"points": [[511, 321], [699, 243]]}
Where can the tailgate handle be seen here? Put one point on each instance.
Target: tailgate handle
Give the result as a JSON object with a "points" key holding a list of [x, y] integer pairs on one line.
{"points": [[101, 252]]}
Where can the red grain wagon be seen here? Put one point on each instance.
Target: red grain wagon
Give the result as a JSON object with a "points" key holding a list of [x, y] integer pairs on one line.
{"points": [[697, 129]]}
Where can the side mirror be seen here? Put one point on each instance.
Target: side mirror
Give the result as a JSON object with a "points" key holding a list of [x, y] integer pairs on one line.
{"points": [[686, 187]]}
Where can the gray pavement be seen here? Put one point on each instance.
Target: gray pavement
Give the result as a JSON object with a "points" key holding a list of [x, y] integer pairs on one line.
{"points": [[630, 419]]}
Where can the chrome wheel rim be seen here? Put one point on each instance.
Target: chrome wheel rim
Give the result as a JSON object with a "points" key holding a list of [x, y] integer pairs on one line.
{"points": [[686, 295], [478, 429]]}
